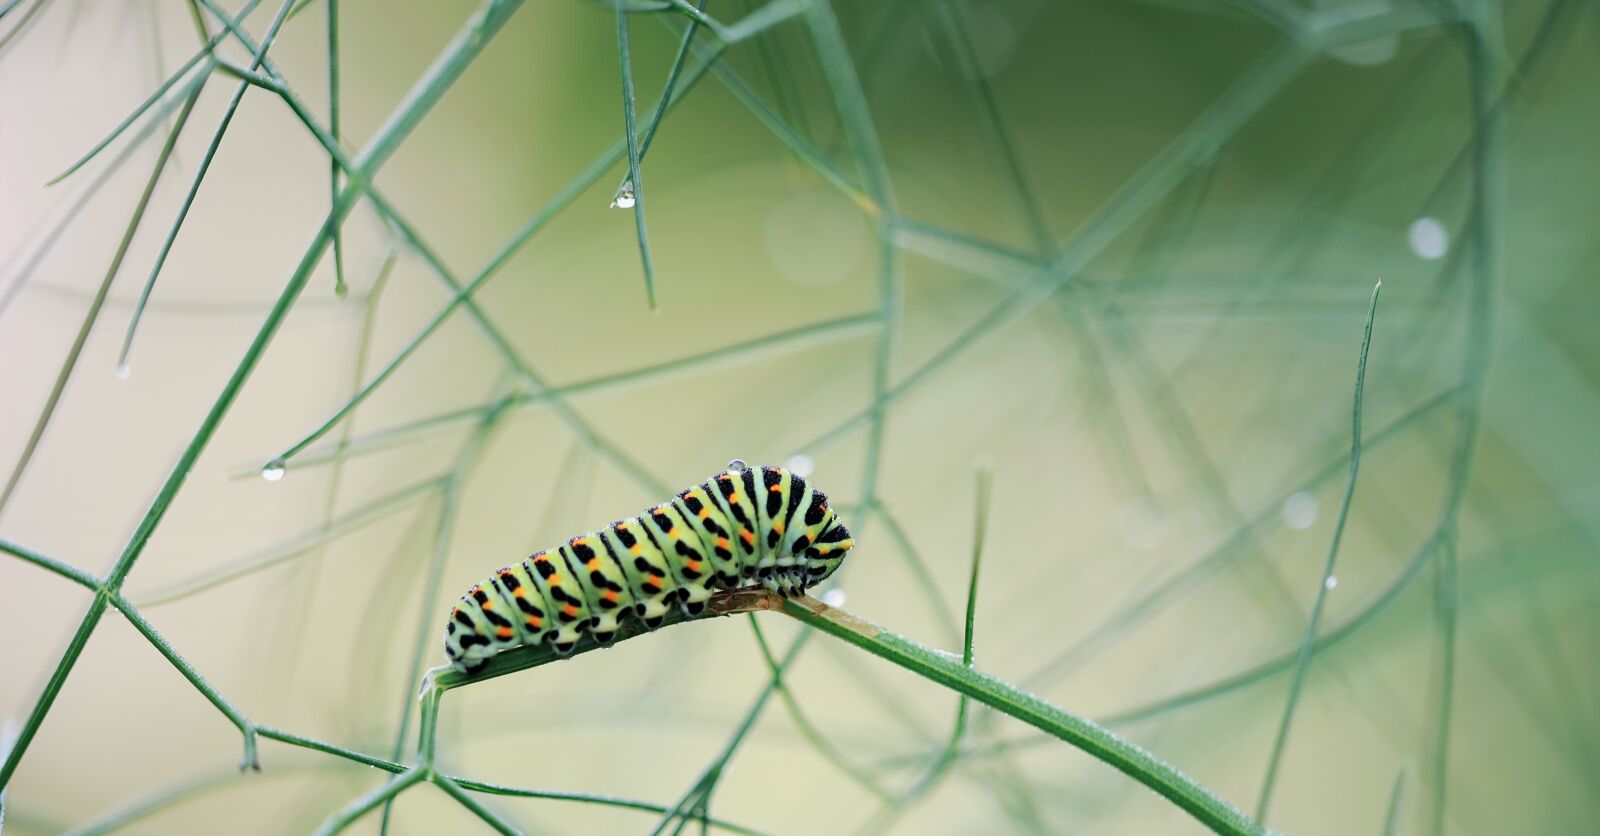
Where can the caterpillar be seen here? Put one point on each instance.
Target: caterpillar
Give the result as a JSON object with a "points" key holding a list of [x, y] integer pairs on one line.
{"points": [[742, 527]]}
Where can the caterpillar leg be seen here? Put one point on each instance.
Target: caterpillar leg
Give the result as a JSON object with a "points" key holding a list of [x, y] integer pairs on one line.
{"points": [[603, 636]]}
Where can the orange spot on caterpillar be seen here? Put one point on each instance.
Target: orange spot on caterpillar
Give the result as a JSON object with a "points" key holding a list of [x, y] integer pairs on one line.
{"points": [[776, 489], [569, 610], [593, 564], [722, 542], [488, 606], [580, 541], [777, 525], [555, 580], [505, 632], [520, 592], [735, 498], [534, 622], [673, 532], [694, 565], [635, 549], [610, 595], [747, 536]]}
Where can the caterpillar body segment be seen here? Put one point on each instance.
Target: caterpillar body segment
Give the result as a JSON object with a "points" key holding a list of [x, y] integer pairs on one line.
{"points": [[745, 526], [605, 586]]}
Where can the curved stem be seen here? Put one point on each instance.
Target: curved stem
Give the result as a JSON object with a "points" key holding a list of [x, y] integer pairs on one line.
{"points": [[1103, 744]]}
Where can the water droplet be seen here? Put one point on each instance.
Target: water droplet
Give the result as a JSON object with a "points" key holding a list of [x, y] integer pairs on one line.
{"points": [[833, 597], [123, 371], [800, 465], [737, 466], [1331, 582], [1299, 510], [624, 198], [1428, 238], [273, 471]]}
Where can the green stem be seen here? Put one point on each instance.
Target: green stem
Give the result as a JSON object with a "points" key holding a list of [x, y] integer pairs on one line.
{"points": [[347, 815], [1309, 641], [199, 177], [160, 91], [460, 53], [234, 715], [489, 817], [726, 356], [1097, 741], [486, 787], [698, 796], [44, 561], [1391, 819], [625, 58], [808, 730], [339, 286], [70, 363], [661, 105], [329, 531]]}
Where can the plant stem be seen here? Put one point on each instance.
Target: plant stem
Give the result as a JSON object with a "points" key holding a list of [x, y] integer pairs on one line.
{"points": [[1309, 641], [1099, 742]]}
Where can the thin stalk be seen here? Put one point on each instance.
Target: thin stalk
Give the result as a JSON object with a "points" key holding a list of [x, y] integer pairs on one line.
{"points": [[347, 815], [698, 797], [1391, 818], [301, 545], [809, 730], [1446, 599], [489, 817], [948, 754], [69, 364], [150, 101], [460, 53], [1309, 641], [855, 116], [1093, 739], [85, 197], [194, 186], [1226, 553], [339, 286], [444, 535], [309, 574], [625, 189], [485, 787], [234, 715], [625, 58], [1198, 144], [50, 564], [919, 569]]}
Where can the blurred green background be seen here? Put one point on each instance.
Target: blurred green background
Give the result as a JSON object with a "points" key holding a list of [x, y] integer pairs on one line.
{"points": [[1120, 254]]}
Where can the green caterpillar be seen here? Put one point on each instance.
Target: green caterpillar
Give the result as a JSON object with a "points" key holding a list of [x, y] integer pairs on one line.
{"points": [[742, 527]]}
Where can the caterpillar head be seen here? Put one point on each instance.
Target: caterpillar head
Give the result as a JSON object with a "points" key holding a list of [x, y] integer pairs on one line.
{"points": [[824, 556]]}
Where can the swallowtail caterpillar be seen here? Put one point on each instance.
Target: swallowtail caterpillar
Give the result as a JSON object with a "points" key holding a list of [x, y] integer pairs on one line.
{"points": [[760, 526]]}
